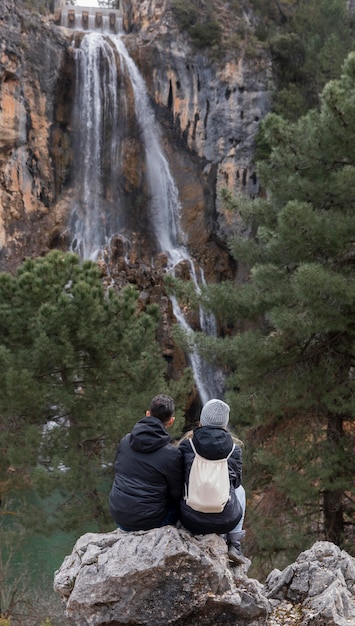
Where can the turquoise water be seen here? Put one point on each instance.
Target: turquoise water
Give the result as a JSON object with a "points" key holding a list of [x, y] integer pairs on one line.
{"points": [[33, 553], [44, 555], [28, 561]]}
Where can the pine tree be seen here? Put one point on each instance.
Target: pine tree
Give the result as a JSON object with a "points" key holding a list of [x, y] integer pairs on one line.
{"points": [[78, 366], [307, 48], [289, 332]]}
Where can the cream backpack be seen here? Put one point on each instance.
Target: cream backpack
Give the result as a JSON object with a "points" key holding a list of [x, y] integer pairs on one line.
{"points": [[208, 490]]}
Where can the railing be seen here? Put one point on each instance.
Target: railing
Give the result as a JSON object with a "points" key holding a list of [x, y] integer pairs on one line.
{"points": [[88, 18]]}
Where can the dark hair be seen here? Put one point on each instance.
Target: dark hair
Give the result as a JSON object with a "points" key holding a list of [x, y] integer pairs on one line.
{"points": [[162, 406]]}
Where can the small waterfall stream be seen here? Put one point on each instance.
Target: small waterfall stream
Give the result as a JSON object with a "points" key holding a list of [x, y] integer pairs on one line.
{"points": [[97, 209]]}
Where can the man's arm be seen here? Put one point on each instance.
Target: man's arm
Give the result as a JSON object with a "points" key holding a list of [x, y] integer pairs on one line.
{"points": [[175, 476]]}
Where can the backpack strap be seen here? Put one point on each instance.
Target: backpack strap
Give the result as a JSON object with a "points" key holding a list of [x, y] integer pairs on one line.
{"points": [[231, 452], [194, 449], [192, 445]]}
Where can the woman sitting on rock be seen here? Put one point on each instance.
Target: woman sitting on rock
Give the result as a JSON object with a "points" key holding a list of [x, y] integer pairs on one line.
{"points": [[213, 441]]}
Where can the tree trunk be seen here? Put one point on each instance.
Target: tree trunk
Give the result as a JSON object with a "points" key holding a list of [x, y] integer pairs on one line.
{"points": [[333, 498]]}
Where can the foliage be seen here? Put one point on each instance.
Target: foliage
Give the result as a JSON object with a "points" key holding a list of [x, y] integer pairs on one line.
{"points": [[289, 333], [186, 13], [78, 366], [207, 34], [203, 29], [39, 6], [308, 41]]}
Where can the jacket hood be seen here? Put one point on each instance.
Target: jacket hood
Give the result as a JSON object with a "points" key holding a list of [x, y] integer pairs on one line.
{"points": [[149, 435], [212, 442]]}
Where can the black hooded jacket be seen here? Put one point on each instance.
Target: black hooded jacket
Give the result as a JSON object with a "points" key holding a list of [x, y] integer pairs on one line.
{"points": [[212, 442], [148, 477]]}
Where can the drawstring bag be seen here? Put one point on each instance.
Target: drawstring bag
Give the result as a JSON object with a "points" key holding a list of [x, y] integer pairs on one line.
{"points": [[208, 490]]}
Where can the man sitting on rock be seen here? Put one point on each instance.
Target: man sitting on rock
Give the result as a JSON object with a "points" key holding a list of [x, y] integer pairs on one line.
{"points": [[148, 482]]}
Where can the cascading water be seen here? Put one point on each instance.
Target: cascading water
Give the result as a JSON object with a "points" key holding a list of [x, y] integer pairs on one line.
{"points": [[94, 218], [95, 214], [164, 200]]}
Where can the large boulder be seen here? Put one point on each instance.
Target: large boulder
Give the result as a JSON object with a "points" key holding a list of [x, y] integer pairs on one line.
{"points": [[167, 576], [157, 577]]}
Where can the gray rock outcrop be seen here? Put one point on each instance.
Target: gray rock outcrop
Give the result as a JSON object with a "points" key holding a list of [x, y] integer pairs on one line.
{"points": [[321, 583], [167, 576], [163, 576]]}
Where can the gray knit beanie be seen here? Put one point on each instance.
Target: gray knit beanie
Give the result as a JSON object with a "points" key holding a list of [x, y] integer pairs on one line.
{"points": [[215, 413]]}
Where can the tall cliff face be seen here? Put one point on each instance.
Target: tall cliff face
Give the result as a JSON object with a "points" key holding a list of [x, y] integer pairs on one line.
{"points": [[209, 112], [34, 152], [210, 109]]}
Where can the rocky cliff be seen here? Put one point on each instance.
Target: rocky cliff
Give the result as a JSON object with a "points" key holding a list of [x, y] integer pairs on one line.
{"points": [[208, 107], [33, 77], [214, 106], [167, 576], [209, 111]]}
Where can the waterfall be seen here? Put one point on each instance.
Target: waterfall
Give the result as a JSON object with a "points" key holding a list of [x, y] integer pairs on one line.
{"points": [[95, 214], [164, 200], [93, 220]]}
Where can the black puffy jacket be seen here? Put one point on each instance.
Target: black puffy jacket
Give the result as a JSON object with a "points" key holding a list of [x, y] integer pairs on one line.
{"points": [[212, 442], [148, 476]]}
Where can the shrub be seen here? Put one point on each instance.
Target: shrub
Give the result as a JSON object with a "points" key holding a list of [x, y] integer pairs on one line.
{"points": [[186, 14], [208, 34], [205, 32]]}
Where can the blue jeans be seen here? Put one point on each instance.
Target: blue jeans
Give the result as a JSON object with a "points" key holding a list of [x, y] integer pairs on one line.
{"points": [[240, 493], [237, 534]]}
